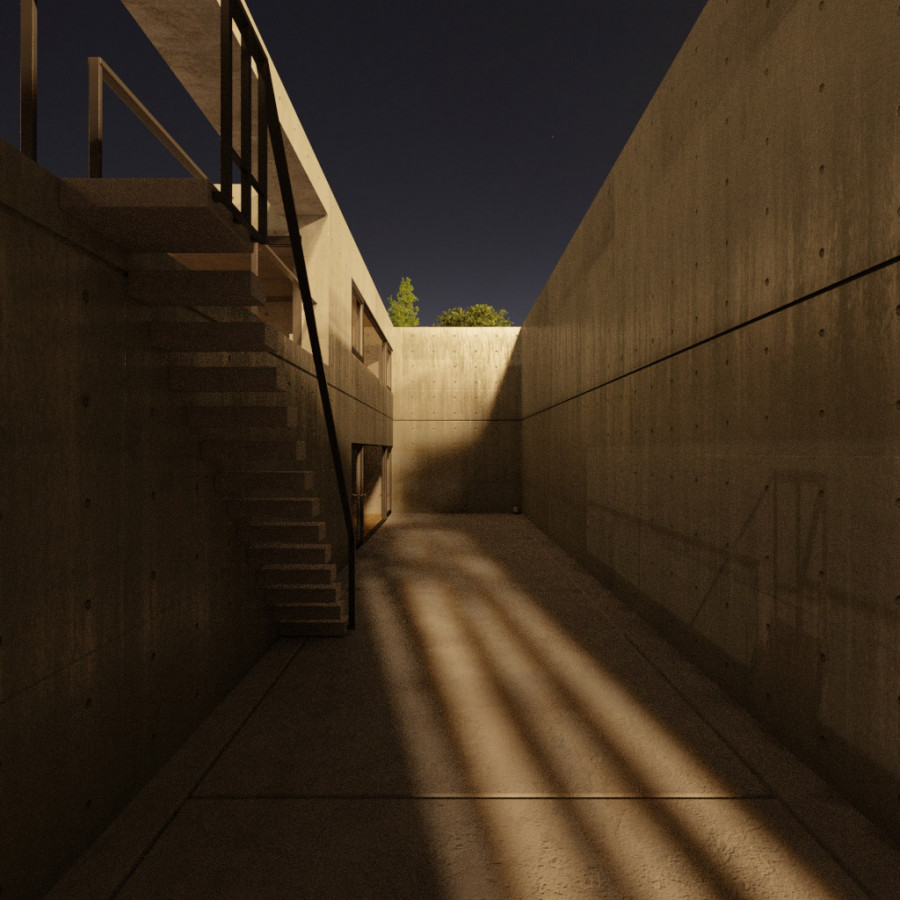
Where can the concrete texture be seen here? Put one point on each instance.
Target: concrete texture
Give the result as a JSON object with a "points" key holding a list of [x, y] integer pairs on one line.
{"points": [[500, 726], [155, 215], [710, 417], [708, 422], [126, 610], [187, 38], [457, 408]]}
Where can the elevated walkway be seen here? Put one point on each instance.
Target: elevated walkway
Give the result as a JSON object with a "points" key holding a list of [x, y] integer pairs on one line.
{"points": [[499, 726]]}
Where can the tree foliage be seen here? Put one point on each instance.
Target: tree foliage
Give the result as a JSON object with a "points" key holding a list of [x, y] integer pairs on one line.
{"points": [[403, 309], [479, 314]]}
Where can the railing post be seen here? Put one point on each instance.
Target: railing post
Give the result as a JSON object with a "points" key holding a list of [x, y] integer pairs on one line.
{"points": [[262, 156], [226, 129], [28, 78], [95, 117], [246, 136]]}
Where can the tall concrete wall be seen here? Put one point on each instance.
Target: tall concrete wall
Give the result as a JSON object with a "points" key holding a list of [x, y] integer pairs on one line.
{"points": [[125, 608], [710, 406], [457, 394]]}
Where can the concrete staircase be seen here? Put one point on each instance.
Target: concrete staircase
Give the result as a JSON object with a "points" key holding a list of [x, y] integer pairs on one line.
{"points": [[243, 412]]}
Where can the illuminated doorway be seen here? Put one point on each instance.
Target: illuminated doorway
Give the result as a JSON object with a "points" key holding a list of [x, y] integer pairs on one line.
{"points": [[371, 488]]}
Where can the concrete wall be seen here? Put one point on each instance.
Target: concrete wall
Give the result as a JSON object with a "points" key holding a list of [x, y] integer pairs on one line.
{"points": [[710, 375], [456, 420], [126, 611]]}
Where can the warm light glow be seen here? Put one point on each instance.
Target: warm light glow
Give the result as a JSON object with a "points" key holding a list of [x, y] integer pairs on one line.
{"points": [[581, 790]]}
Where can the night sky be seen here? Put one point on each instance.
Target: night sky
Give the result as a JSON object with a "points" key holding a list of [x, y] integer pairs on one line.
{"points": [[464, 142]]}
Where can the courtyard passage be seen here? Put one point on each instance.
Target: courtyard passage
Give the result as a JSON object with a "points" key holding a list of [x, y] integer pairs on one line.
{"points": [[498, 726]]}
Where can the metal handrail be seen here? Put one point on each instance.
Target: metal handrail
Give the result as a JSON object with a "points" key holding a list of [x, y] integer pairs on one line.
{"points": [[251, 49], [251, 52], [99, 73]]}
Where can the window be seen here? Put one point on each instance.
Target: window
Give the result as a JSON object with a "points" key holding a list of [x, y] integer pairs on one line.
{"points": [[368, 342], [357, 325]]}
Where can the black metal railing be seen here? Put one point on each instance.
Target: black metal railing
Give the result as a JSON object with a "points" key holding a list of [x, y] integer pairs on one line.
{"points": [[100, 74], [252, 209], [253, 199]]}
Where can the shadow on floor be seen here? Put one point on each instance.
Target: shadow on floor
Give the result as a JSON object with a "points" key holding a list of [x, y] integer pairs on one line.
{"points": [[497, 727]]}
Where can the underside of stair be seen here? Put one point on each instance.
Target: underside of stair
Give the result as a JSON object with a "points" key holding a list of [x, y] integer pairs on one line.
{"points": [[267, 554], [227, 379], [251, 456], [214, 337], [182, 287], [149, 215]]}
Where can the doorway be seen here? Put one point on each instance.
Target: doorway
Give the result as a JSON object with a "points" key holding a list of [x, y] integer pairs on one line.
{"points": [[371, 489]]}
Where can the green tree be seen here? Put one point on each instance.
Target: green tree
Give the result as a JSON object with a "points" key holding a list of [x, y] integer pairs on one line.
{"points": [[403, 309], [478, 314]]}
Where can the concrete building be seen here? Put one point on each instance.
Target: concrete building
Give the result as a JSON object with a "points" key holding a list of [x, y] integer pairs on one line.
{"points": [[701, 409]]}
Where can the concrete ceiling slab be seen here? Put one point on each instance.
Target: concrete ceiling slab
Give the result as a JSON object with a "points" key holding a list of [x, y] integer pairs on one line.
{"points": [[187, 37]]}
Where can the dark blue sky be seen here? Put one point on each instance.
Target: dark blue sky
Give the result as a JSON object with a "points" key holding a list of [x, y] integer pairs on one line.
{"points": [[464, 142]]}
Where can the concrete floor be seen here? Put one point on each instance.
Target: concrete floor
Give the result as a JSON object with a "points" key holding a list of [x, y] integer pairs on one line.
{"points": [[498, 726]]}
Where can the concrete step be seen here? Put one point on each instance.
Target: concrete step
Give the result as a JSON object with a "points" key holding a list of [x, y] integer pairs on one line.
{"points": [[274, 485], [240, 416], [235, 434], [287, 554], [214, 337], [281, 509], [310, 601], [255, 533], [295, 575], [181, 287], [227, 379], [255, 456], [156, 215], [300, 628]]}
